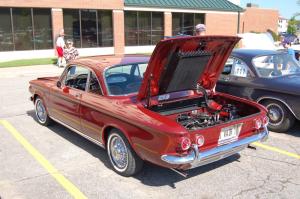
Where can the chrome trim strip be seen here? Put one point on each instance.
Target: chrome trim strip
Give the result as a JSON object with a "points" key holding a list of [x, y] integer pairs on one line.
{"points": [[280, 100], [79, 133], [198, 158]]}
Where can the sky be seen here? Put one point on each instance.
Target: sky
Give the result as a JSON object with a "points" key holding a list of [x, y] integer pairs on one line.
{"points": [[286, 7]]}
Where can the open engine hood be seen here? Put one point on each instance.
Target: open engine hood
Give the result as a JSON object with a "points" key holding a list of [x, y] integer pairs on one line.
{"points": [[179, 64]]}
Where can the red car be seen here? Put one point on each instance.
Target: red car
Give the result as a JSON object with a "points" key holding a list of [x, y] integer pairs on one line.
{"points": [[163, 110]]}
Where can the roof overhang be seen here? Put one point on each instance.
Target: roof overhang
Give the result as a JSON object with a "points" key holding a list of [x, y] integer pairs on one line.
{"points": [[207, 5], [170, 10]]}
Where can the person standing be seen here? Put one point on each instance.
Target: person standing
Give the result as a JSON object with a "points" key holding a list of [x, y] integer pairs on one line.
{"points": [[60, 45], [200, 30], [70, 51]]}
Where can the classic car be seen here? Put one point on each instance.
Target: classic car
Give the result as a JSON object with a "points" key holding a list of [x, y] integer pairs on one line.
{"points": [[163, 110], [269, 77]]}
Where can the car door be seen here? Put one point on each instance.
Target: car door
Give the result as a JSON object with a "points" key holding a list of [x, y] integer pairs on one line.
{"points": [[236, 79], [65, 98], [91, 109]]}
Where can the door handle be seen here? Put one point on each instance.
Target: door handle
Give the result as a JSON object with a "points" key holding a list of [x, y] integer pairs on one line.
{"points": [[78, 95]]}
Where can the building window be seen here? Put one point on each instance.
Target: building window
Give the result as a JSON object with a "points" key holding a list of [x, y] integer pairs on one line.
{"points": [[42, 28], [131, 36], [25, 29], [143, 28], [72, 26], [88, 28], [184, 23], [105, 29], [6, 35]]}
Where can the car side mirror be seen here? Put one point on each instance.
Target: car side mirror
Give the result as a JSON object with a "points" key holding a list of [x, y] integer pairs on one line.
{"points": [[58, 84], [65, 89]]}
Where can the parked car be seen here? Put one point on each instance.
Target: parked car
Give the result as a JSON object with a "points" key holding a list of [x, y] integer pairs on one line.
{"points": [[271, 78], [165, 111]]}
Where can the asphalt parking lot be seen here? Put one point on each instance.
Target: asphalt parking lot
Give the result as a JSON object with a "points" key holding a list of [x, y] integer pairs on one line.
{"points": [[53, 162]]}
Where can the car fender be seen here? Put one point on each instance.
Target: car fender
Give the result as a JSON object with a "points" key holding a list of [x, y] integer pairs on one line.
{"points": [[124, 131], [277, 99], [108, 127], [41, 94]]}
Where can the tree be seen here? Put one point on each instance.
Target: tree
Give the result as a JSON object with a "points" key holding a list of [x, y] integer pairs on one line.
{"points": [[292, 26]]}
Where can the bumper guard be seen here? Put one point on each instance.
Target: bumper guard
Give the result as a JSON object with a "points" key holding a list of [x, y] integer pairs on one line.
{"points": [[197, 158]]}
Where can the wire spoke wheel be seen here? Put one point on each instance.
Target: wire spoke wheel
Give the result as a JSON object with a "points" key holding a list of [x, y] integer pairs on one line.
{"points": [[121, 155], [118, 153], [40, 111]]}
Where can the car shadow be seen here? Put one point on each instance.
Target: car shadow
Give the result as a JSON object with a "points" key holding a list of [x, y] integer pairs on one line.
{"points": [[77, 140], [295, 130], [151, 175]]}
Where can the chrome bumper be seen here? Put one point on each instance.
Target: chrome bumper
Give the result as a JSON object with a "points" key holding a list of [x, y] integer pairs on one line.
{"points": [[197, 158]]}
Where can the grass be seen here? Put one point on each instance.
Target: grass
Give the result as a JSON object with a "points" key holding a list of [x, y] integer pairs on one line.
{"points": [[31, 62], [28, 62]]}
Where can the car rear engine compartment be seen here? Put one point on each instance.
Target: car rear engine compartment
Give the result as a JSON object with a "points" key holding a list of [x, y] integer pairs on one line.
{"points": [[198, 113]]}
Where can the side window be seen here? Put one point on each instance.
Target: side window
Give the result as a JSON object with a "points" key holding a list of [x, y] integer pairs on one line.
{"points": [[76, 77], [142, 69], [94, 86], [236, 67]]}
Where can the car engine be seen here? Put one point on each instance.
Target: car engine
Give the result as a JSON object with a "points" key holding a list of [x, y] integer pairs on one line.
{"points": [[205, 111], [206, 117]]}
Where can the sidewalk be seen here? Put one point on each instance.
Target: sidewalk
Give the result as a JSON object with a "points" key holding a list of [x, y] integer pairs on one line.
{"points": [[23, 71]]}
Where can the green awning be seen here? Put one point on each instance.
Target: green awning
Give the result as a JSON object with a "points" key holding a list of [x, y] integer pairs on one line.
{"points": [[214, 5]]}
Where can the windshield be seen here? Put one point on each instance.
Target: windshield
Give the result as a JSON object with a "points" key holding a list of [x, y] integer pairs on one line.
{"points": [[125, 79], [277, 65]]}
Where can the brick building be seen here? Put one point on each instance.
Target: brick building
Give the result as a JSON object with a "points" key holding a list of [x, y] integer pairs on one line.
{"points": [[117, 26]]}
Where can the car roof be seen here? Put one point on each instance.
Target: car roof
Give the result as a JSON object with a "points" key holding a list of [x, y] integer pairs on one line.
{"points": [[101, 62], [250, 53]]}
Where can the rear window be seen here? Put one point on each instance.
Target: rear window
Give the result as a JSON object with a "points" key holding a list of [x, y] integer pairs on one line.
{"points": [[125, 79]]}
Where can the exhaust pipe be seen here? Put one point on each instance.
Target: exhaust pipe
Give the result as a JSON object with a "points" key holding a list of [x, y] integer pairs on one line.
{"points": [[180, 172]]}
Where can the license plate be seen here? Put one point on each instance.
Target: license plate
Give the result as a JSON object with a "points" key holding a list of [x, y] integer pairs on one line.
{"points": [[229, 134]]}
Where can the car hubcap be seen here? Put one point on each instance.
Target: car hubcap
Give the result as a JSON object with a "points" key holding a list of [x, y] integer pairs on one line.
{"points": [[276, 114], [118, 152], [41, 111]]}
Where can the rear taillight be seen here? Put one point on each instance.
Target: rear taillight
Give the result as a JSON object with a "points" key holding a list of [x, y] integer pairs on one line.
{"points": [[265, 121], [258, 123], [185, 143], [199, 140]]}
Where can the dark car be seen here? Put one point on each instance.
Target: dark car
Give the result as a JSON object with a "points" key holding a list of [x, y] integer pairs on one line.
{"points": [[271, 78]]}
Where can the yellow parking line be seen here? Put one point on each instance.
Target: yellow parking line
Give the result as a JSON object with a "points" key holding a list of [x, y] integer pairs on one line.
{"points": [[271, 148], [64, 182]]}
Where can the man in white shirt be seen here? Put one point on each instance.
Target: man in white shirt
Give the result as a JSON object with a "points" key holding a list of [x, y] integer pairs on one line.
{"points": [[60, 44]]}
